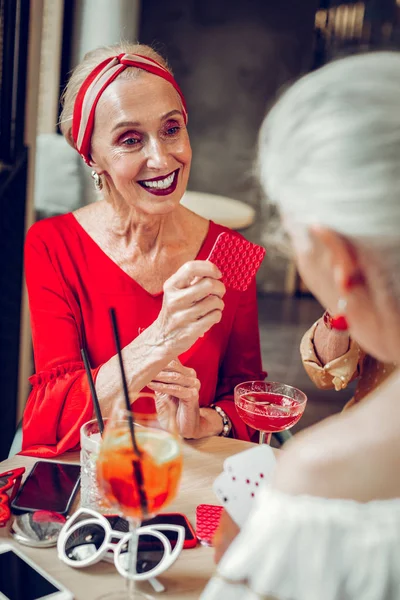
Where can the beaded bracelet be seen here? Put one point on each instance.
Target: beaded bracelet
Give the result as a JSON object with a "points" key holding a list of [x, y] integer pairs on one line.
{"points": [[227, 425]]}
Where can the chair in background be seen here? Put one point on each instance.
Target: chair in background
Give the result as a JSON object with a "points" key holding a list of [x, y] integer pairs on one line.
{"points": [[58, 177], [223, 211]]}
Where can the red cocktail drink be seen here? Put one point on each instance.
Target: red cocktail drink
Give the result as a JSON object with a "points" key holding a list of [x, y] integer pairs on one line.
{"points": [[269, 406]]}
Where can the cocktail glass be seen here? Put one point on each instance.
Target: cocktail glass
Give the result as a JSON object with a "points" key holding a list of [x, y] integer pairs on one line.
{"points": [[269, 406]]}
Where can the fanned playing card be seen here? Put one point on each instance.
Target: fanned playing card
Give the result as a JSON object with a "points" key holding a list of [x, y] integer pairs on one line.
{"points": [[237, 259], [243, 477]]}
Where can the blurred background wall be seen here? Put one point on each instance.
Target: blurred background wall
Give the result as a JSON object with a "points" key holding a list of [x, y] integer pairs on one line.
{"points": [[231, 59]]}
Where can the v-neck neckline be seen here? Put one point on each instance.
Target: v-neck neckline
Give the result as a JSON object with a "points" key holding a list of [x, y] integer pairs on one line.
{"points": [[201, 254]]}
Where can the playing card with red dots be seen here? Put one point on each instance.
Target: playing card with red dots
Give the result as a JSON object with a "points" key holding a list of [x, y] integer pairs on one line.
{"points": [[207, 521], [237, 259], [243, 477]]}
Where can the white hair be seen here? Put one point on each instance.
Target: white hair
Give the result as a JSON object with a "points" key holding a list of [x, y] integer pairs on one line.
{"points": [[329, 152]]}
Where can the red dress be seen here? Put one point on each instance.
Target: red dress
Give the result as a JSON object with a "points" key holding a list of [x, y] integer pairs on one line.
{"points": [[71, 285]]}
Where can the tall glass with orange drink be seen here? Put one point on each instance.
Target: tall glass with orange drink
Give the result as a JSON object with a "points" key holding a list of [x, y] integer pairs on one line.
{"points": [[160, 461], [140, 481]]}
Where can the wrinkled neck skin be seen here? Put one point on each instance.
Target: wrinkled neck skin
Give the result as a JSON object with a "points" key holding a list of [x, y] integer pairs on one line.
{"points": [[146, 233]]}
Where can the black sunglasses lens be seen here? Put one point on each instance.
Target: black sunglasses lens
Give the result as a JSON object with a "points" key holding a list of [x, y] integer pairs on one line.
{"points": [[4, 481], [149, 555], [84, 542], [171, 535]]}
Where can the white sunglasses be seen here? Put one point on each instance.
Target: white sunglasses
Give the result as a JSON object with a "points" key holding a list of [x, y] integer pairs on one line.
{"points": [[86, 538]]}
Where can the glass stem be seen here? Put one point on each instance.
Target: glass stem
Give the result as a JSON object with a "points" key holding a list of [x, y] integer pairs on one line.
{"points": [[134, 524], [265, 437]]}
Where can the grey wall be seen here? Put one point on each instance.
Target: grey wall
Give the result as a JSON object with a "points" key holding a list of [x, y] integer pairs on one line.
{"points": [[230, 58]]}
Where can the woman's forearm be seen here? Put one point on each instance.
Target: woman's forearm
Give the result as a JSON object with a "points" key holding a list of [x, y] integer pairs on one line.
{"points": [[143, 358]]}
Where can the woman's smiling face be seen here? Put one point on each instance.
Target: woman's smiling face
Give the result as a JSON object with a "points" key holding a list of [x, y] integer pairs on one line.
{"points": [[140, 143]]}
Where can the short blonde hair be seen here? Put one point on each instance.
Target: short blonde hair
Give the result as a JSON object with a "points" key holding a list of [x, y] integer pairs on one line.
{"points": [[86, 66]]}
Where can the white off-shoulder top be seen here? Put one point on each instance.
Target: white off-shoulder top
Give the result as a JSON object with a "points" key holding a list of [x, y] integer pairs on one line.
{"points": [[309, 548]]}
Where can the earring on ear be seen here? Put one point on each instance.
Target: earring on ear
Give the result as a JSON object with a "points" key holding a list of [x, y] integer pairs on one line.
{"points": [[98, 184], [338, 321]]}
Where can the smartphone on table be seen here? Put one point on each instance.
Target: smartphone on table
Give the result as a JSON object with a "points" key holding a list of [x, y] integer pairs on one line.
{"points": [[49, 486], [121, 524], [21, 578]]}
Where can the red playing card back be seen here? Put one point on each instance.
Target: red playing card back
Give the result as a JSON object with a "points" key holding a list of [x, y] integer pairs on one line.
{"points": [[237, 259], [207, 521]]}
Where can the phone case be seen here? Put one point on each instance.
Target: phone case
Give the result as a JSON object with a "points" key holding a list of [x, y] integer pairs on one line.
{"points": [[237, 259], [190, 542], [18, 509], [207, 521]]}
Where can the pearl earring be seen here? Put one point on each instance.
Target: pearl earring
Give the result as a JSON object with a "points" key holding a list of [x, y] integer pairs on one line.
{"points": [[98, 184]]}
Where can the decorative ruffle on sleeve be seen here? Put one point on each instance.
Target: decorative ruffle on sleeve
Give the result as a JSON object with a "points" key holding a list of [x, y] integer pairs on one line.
{"points": [[51, 425], [45, 377]]}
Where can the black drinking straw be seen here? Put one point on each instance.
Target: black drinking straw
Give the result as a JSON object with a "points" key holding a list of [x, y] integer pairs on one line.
{"points": [[96, 404], [137, 467]]}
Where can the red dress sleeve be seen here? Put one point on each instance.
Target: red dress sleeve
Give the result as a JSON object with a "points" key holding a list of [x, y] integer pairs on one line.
{"points": [[60, 400], [242, 361]]}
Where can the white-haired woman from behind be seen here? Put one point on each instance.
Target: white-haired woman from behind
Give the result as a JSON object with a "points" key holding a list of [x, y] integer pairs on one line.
{"points": [[329, 526]]}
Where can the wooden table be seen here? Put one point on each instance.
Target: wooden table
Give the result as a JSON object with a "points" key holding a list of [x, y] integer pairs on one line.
{"points": [[203, 460]]}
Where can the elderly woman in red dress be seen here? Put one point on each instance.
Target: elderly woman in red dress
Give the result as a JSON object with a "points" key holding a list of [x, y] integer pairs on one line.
{"points": [[138, 249]]}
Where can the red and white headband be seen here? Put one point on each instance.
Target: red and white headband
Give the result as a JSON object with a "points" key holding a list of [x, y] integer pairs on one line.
{"points": [[95, 84]]}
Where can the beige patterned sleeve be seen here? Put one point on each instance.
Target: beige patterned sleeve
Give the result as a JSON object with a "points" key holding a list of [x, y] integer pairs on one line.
{"points": [[335, 374]]}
